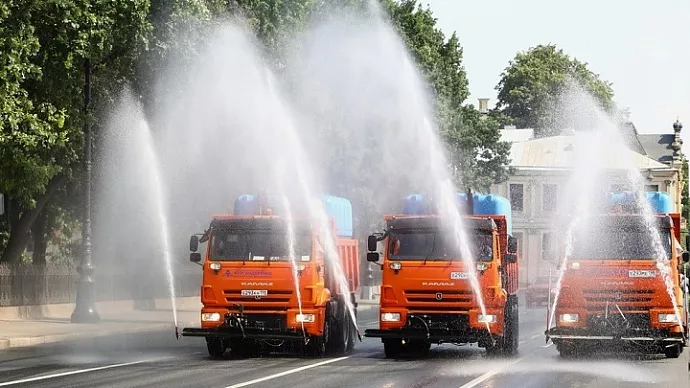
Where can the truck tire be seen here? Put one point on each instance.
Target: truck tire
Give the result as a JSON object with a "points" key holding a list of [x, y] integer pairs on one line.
{"points": [[421, 348], [352, 327], [511, 336], [340, 323], [318, 346], [567, 351], [673, 351], [216, 347], [392, 348]]}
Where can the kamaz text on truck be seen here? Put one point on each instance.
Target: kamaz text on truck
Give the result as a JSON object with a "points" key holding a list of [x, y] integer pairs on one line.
{"points": [[248, 289], [426, 294], [613, 292]]}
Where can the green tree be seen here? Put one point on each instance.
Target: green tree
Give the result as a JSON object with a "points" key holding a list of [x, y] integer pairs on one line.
{"points": [[478, 156], [529, 87], [44, 44]]}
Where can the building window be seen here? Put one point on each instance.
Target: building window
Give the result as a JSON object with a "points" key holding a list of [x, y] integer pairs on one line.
{"points": [[546, 246], [517, 197], [549, 198], [651, 187], [518, 237]]}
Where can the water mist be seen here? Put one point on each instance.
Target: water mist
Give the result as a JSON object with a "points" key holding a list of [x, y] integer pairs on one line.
{"points": [[375, 113], [600, 153]]}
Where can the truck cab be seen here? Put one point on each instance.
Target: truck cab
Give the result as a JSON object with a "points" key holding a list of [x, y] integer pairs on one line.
{"points": [[268, 280], [622, 284], [426, 293]]}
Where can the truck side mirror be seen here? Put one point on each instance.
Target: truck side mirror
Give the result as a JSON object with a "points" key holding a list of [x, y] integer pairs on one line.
{"points": [[372, 243], [195, 257], [512, 244], [373, 257], [194, 243], [686, 256]]}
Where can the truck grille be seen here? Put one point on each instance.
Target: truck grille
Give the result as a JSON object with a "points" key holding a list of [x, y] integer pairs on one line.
{"points": [[426, 300], [626, 300]]}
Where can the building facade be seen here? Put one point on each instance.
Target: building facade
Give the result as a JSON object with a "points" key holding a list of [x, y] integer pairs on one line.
{"points": [[541, 168]]}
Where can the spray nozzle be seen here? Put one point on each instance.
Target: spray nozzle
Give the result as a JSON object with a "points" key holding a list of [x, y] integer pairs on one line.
{"points": [[177, 333]]}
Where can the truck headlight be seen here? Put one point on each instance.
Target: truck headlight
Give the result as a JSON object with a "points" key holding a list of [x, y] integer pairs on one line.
{"points": [[390, 317], [214, 266], [569, 318], [489, 318], [395, 266], [668, 318], [210, 317], [575, 265], [482, 266], [305, 318]]}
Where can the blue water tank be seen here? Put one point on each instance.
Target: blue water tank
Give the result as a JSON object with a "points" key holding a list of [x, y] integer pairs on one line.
{"points": [[484, 204], [245, 205], [489, 204], [660, 201], [340, 209], [415, 204]]}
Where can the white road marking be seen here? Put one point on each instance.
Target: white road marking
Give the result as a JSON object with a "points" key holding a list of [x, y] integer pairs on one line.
{"points": [[70, 373], [287, 372], [490, 374], [547, 345]]}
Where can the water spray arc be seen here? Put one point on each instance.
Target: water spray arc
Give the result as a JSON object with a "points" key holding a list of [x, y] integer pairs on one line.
{"points": [[153, 165]]}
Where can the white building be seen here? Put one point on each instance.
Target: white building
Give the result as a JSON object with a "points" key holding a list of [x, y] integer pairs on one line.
{"points": [[541, 168]]}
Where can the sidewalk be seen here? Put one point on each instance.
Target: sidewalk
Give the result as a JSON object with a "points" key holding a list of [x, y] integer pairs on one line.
{"points": [[36, 325]]}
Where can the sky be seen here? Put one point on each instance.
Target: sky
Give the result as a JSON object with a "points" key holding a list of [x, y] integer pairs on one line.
{"points": [[641, 46]]}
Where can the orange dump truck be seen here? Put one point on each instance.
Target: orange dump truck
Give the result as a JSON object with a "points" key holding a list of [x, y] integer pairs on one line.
{"points": [[249, 292], [613, 293], [426, 291]]}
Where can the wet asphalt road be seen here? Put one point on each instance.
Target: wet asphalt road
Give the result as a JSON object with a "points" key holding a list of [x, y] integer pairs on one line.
{"points": [[158, 360]]}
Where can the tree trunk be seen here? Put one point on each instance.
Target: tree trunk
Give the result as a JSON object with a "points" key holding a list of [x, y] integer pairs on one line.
{"points": [[19, 235], [38, 233]]}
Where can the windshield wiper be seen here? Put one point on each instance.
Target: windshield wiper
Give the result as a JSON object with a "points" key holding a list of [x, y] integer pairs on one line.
{"points": [[433, 246]]}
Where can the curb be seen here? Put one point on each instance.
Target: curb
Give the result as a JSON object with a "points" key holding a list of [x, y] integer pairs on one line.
{"points": [[19, 342]]}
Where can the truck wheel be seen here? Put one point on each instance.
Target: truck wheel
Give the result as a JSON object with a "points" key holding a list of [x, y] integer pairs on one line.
{"points": [[567, 351], [421, 348], [317, 345], [511, 337], [352, 327], [353, 337], [392, 348], [216, 347], [672, 351], [244, 349]]}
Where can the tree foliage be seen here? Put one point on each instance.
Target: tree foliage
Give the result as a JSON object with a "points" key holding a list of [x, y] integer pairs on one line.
{"points": [[529, 87], [43, 47], [478, 157]]}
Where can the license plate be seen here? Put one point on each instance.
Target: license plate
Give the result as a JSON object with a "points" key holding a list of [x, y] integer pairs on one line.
{"points": [[254, 292], [636, 273], [459, 275]]}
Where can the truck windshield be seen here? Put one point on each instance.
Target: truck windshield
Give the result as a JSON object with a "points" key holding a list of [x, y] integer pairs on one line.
{"points": [[620, 244], [238, 245], [439, 246]]}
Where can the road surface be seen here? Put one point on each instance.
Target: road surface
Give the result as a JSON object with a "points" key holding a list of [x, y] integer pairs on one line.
{"points": [[158, 360]]}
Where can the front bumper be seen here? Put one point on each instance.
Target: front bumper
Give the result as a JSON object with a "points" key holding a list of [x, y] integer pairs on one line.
{"points": [[634, 328], [434, 328], [238, 325], [235, 333]]}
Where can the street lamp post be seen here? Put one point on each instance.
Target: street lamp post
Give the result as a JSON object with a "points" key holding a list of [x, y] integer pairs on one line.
{"points": [[84, 310]]}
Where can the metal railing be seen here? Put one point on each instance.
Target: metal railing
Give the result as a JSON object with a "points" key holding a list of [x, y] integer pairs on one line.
{"points": [[27, 284]]}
